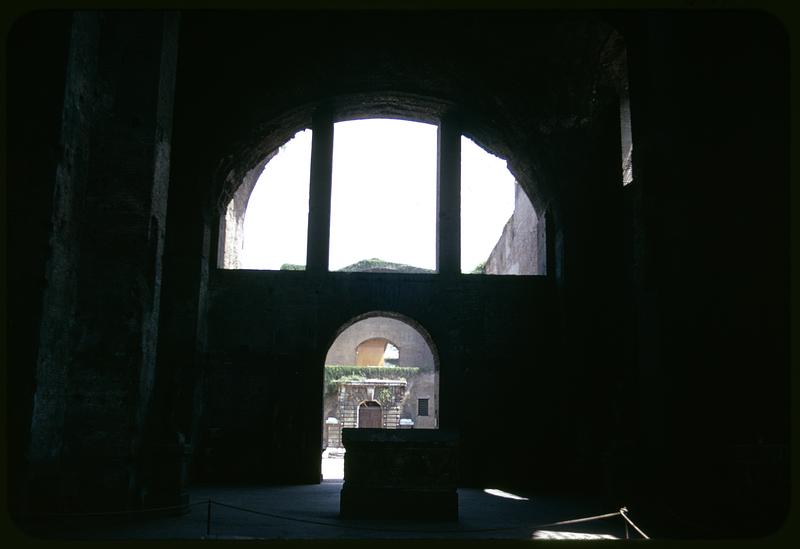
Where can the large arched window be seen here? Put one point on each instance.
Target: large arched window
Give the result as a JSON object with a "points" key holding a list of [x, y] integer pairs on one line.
{"points": [[384, 206]]}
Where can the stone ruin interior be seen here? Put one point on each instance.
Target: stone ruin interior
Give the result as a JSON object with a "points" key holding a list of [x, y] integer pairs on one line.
{"points": [[646, 360]]}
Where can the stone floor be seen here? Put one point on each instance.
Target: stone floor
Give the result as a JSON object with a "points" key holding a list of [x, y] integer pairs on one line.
{"points": [[311, 512]]}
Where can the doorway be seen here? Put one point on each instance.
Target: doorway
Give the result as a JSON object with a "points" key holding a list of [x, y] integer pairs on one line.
{"points": [[381, 372], [370, 415]]}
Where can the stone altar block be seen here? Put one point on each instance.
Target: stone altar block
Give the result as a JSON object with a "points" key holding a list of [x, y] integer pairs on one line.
{"points": [[399, 473]]}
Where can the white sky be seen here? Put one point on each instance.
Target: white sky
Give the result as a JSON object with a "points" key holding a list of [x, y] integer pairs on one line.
{"points": [[383, 199]]}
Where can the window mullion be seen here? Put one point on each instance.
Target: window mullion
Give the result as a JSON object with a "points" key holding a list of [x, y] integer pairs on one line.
{"points": [[319, 198], [448, 197]]}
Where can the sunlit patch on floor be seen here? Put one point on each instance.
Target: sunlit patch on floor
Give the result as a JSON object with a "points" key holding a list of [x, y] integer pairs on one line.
{"points": [[502, 494], [333, 464], [549, 534]]}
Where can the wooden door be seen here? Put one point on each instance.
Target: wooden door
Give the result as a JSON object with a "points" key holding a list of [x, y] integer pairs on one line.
{"points": [[370, 415]]}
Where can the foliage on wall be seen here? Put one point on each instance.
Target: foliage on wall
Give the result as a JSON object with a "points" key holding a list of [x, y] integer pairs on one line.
{"points": [[336, 373], [479, 269], [386, 397]]}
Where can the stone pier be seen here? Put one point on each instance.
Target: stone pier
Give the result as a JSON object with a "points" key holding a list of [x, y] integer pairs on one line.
{"points": [[400, 474]]}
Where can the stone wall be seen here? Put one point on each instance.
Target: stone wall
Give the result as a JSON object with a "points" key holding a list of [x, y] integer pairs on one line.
{"points": [[389, 394], [414, 350], [422, 385], [269, 335], [98, 327], [517, 250]]}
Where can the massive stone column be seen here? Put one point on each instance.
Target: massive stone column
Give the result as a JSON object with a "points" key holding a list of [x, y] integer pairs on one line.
{"points": [[97, 348], [590, 239], [45, 170], [709, 122], [642, 249]]}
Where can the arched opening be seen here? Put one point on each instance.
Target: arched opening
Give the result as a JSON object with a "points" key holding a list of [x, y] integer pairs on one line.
{"points": [[384, 206], [381, 372], [377, 351]]}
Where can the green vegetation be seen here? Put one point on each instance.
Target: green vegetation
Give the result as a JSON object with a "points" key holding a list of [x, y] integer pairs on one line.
{"points": [[480, 269], [292, 267], [381, 266], [385, 396], [335, 373]]}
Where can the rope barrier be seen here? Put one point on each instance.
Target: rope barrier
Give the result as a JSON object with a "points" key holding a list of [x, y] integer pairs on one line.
{"points": [[573, 521], [461, 531], [112, 513], [623, 512]]}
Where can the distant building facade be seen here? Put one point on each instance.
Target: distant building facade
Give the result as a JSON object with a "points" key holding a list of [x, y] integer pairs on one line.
{"points": [[408, 402]]}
